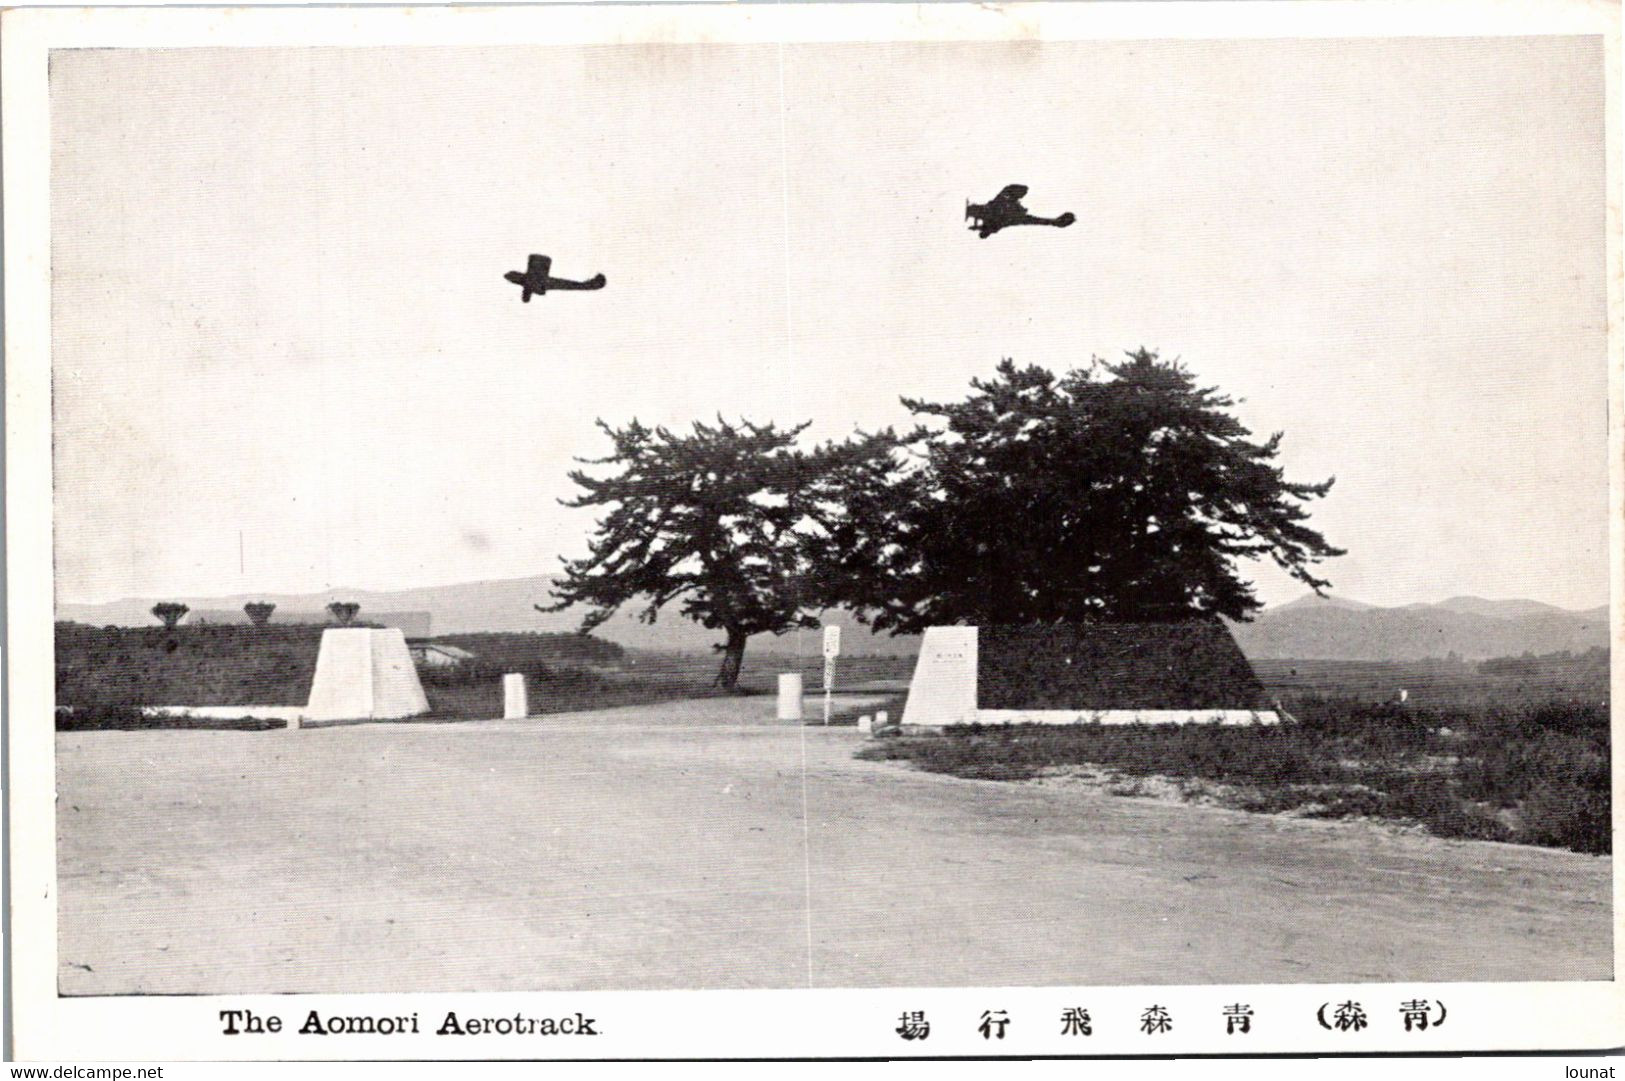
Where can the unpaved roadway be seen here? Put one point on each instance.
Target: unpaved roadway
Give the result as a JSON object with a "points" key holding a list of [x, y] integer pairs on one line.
{"points": [[701, 845]]}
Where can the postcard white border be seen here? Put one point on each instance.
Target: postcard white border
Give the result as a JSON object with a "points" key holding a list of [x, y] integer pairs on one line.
{"points": [[731, 1024]]}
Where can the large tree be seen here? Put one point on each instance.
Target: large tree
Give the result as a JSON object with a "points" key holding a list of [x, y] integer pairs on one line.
{"points": [[1119, 491], [723, 518]]}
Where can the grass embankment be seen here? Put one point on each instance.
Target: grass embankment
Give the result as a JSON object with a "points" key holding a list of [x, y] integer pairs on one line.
{"points": [[1528, 774], [207, 665], [761, 671], [109, 717], [105, 675]]}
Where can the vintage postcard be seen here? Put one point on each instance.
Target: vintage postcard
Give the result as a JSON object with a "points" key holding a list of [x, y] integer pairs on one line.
{"points": [[1035, 530]]}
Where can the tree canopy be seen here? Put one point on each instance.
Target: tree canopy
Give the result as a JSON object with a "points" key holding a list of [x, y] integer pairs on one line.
{"points": [[259, 612], [720, 518], [343, 612], [169, 612], [1122, 492], [1118, 491]]}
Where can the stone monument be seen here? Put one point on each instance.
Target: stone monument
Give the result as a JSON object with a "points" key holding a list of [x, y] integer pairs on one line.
{"points": [[1175, 672], [514, 703], [364, 673]]}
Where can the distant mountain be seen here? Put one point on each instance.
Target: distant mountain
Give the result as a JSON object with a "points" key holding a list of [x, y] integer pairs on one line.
{"points": [[1311, 628], [1311, 601], [1510, 609], [1470, 627], [504, 605]]}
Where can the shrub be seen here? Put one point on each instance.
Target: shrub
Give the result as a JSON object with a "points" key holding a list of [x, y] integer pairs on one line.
{"points": [[100, 715], [1576, 719], [1510, 755], [1355, 801], [343, 612], [1568, 814], [1235, 755], [259, 612], [1434, 802], [1382, 728], [169, 613]]}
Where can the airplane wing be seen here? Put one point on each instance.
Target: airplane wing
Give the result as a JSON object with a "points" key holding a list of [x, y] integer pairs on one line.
{"points": [[1009, 199], [538, 267]]}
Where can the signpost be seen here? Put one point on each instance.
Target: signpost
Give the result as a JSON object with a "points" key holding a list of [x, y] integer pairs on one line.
{"points": [[832, 649]]}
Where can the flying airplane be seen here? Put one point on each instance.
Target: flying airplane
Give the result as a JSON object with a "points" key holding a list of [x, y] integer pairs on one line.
{"points": [[535, 279], [1004, 210]]}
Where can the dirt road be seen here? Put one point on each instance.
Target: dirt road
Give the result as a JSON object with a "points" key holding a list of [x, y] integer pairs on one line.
{"points": [[686, 846]]}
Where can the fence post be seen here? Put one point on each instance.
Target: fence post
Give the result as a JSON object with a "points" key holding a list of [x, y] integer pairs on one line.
{"points": [[790, 696], [514, 705]]}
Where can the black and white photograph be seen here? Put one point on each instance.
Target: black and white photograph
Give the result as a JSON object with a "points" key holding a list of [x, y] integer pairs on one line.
{"points": [[874, 503]]}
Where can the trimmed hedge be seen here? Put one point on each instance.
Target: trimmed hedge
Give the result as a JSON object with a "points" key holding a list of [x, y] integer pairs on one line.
{"points": [[1187, 664]]}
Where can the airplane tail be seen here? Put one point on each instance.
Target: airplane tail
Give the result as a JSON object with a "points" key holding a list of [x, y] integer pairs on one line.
{"points": [[1065, 219], [596, 281]]}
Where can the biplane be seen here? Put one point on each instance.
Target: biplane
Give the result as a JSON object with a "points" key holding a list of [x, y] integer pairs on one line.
{"points": [[536, 279]]}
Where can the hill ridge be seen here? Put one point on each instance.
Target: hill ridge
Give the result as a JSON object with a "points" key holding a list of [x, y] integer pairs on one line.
{"points": [[1310, 627]]}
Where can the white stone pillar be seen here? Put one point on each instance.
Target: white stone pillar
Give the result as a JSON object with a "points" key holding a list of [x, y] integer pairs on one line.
{"points": [[790, 696], [514, 706], [866, 723], [364, 673]]}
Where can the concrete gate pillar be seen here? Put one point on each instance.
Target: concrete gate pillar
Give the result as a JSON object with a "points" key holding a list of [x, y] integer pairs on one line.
{"points": [[365, 673]]}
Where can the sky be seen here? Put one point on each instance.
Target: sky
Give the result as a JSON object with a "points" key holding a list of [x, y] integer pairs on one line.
{"points": [[285, 360]]}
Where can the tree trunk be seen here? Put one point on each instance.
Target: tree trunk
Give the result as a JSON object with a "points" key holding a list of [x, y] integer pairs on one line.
{"points": [[733, 655]]}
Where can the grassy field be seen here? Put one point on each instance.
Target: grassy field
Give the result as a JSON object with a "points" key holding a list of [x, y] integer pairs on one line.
{"points": [[1524, 773], [1512, 749], [105, 674], [762, 669], [638, 677], [1573, 678]]}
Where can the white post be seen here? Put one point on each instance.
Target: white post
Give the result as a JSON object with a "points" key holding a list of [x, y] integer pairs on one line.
{"points": [[881, 719], [866, 723], [832, 649], [829, 685], [514, 706], [790, 696]]}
